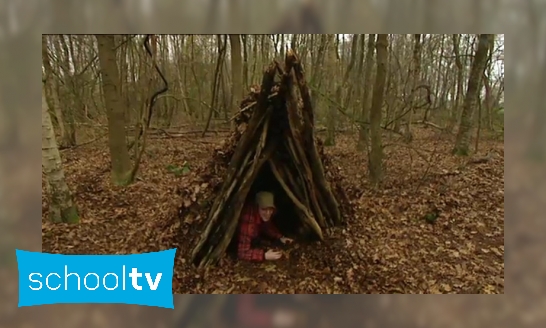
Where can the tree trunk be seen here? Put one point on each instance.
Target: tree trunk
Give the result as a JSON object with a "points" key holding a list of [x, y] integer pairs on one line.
{"points": [[363, 135], [255, 58], [462, 142], [181, 66], [216, 82], [61, 206], [416, 72], [115, 109], [397, 80], [246, 83], [66, 97], [318, 68], [359, 77], [346, 102], [52, 97], [236, 73], [376, 154], [282, 45], [488, 72], [458, 62], [333, 66]]}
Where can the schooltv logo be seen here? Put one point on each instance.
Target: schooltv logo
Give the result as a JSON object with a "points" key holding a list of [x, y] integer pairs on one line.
{"points": [[141, 279]]}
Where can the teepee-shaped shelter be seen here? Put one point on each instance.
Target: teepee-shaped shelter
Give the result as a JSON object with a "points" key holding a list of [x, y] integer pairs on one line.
{"points": [[273, 148]]}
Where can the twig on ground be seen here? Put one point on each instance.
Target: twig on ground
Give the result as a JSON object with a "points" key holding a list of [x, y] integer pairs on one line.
{"points": [[84, 143], [179, 135]]}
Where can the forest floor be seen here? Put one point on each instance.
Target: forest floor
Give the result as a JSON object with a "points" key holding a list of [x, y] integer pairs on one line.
{"points": [[435, 226]]}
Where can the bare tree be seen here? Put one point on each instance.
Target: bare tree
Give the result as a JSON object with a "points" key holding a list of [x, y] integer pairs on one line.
{"points": [[462, 142], [61, 206], [460, 71], [236, 72], [333, 67], [415, 72], [365, 113], [52, 96], [376, 153], [115, 109]]}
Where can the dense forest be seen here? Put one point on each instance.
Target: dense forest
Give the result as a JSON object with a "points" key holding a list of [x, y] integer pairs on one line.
{"points": [[412, 126], [427, 223]]}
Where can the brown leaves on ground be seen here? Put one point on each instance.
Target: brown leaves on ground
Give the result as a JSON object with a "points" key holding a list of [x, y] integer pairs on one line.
{"points": [[435, 226]]}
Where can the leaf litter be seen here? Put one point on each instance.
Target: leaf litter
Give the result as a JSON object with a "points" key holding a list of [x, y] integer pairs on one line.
{"points": [[436, 225]]}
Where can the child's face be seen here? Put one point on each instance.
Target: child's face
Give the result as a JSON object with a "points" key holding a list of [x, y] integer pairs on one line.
{"points": [[266, 213]]}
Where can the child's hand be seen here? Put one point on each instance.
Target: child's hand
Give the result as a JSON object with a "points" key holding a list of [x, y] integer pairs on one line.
{"points": [[272, 255], [286, 240]]}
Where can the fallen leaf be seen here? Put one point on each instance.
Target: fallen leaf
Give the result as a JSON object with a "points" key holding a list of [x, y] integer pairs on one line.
{"points": [[496, 251]]}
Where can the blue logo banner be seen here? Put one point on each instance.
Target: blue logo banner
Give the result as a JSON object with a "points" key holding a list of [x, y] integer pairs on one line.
{"points": [[141, 279]]}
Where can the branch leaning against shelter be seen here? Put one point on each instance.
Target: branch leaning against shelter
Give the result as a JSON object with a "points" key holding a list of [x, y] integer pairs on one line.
{"points": [[273, 149]]}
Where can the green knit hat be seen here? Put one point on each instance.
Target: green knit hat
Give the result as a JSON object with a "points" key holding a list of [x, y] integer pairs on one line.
{"points": [[265, 199]]}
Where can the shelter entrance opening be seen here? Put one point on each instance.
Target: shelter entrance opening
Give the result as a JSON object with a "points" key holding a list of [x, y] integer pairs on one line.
{"points": [[286, 218]]}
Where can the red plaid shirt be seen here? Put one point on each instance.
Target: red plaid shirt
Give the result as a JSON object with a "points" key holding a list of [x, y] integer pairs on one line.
{"points": [[251, 226]]}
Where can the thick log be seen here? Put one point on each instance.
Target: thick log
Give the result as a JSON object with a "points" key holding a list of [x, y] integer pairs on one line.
{"points": [[220, 202], [234, 210], [297, 150], [291, 149], [306, 184], [294, 179], [239, 160], [287, 173], [257, 118], [236, 202], [314, 158], [305, 128], [217, 208], [307, 215]]}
